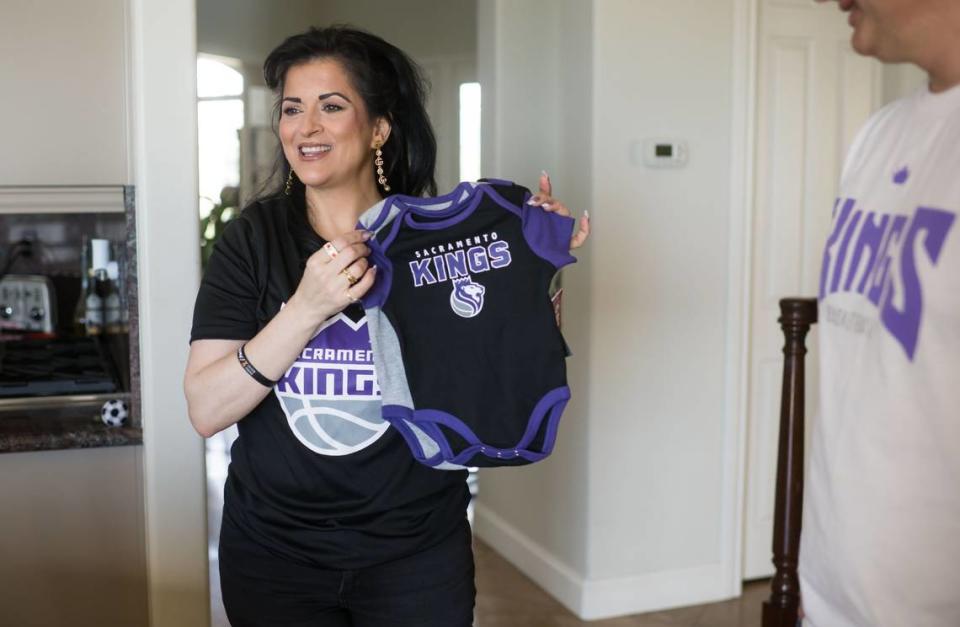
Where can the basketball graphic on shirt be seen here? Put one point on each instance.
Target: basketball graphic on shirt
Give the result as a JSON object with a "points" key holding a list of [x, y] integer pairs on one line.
{"points": [[466, 299], [330, 395]]}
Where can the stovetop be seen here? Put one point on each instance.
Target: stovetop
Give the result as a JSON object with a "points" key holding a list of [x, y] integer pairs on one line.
{"points": [[44, 367]]}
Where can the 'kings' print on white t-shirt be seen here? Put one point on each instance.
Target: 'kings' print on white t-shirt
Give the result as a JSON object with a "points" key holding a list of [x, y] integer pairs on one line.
{"points": [[876, 255], [881, 512]]}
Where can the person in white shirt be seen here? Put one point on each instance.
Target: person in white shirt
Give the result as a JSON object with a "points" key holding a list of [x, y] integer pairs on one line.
{"points": [[881, 530]]}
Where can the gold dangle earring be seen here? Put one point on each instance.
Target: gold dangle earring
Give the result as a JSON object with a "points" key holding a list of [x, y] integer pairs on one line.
{"points": [[381, 178], [288, 188]]}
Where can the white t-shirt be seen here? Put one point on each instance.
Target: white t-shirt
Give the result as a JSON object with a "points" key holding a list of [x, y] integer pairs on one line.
{"points": [[881, 524]]}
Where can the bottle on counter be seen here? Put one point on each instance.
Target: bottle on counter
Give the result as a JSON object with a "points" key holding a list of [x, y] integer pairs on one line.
{"points": [[93, 303], [80, 311], [90, 316], [110, 294]]}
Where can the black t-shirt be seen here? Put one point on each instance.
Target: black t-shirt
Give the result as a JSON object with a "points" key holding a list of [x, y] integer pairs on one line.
{"points": [[316, 475]]}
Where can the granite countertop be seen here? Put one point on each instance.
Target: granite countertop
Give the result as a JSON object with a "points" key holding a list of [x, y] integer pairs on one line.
{"points": [[61, 428]]}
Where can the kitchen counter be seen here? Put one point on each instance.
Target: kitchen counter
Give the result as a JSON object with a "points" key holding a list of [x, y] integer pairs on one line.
{"points": [[61, 428]]}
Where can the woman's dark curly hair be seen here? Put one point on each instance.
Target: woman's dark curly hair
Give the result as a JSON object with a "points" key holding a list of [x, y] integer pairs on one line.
{"points": [[391, 85]]}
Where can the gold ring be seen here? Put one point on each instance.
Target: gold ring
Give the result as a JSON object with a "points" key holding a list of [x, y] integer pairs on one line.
{"points": [[331, 250], [352, 279]]}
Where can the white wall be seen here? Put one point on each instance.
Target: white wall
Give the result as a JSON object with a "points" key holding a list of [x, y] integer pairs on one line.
{"points": [[634, 510], [63, 111], [660, 291]]}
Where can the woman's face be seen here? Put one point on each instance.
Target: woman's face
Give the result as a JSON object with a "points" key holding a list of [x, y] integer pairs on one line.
{"points": [[327, 135]]}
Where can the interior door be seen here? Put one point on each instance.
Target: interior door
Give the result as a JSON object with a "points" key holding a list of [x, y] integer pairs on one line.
{"points": [[813, 93]]}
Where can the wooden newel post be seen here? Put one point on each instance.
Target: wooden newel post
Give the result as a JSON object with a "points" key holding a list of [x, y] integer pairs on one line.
{"points": [[796, 317]]}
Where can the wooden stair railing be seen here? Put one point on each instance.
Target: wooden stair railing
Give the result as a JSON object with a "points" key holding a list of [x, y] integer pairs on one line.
{"points": [[780, 610]]}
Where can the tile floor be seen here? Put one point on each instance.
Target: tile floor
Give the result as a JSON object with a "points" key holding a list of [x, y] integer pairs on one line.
{"points": [[505, 597]]}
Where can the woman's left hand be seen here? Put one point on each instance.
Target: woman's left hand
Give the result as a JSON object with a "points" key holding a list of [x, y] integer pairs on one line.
{"points": [[547, 202]]}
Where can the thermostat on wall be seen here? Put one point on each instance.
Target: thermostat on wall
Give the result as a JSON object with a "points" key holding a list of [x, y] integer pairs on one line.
{"points": [[664, 153]]}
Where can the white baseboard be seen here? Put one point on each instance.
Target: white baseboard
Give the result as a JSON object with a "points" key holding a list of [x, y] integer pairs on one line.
{"points": [[601, 598], [561, 581], [652, 592]]}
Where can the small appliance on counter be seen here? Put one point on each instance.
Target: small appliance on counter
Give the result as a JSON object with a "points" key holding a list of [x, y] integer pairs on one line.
{"points": [[27, 304]]}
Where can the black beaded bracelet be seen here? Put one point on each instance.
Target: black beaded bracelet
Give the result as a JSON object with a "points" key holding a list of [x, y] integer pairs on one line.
{"points": [[253, 372]]}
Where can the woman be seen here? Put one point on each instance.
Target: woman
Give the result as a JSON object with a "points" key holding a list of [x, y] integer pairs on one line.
{"points": [[328, 519]]}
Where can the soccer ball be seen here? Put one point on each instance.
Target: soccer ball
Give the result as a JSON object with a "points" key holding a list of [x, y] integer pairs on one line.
{"points": [[114, 413]]}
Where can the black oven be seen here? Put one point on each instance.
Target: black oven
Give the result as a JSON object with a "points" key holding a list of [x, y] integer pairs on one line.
{"points": [[66, 366]]}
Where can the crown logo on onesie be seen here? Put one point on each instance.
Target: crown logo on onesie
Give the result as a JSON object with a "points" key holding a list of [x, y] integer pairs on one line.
{"points": [[466, 299]]}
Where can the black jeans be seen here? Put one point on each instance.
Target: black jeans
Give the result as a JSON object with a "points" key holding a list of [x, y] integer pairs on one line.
{"points": [[433, 588]]}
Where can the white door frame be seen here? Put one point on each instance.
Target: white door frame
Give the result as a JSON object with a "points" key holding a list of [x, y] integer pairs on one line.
{"points": [[163, 166], [743, 217], [745, 51]]}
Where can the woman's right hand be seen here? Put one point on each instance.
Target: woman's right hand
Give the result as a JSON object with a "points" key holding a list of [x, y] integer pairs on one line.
{"points": [[219, 392], [325, 288]]}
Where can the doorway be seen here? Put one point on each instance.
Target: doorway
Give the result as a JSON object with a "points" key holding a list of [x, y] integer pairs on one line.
{"points": [[813, 94]]}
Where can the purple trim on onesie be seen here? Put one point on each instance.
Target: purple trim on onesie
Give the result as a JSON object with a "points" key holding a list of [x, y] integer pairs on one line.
{"points": [[550, 407], [381, 217], [412, 205], [457, 213], [493, 181], [464, 190], [415, 203], [548, 234], [377, 295]]}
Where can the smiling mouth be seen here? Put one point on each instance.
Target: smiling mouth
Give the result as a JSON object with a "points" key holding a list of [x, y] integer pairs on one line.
{"points": [[314, 150]]}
